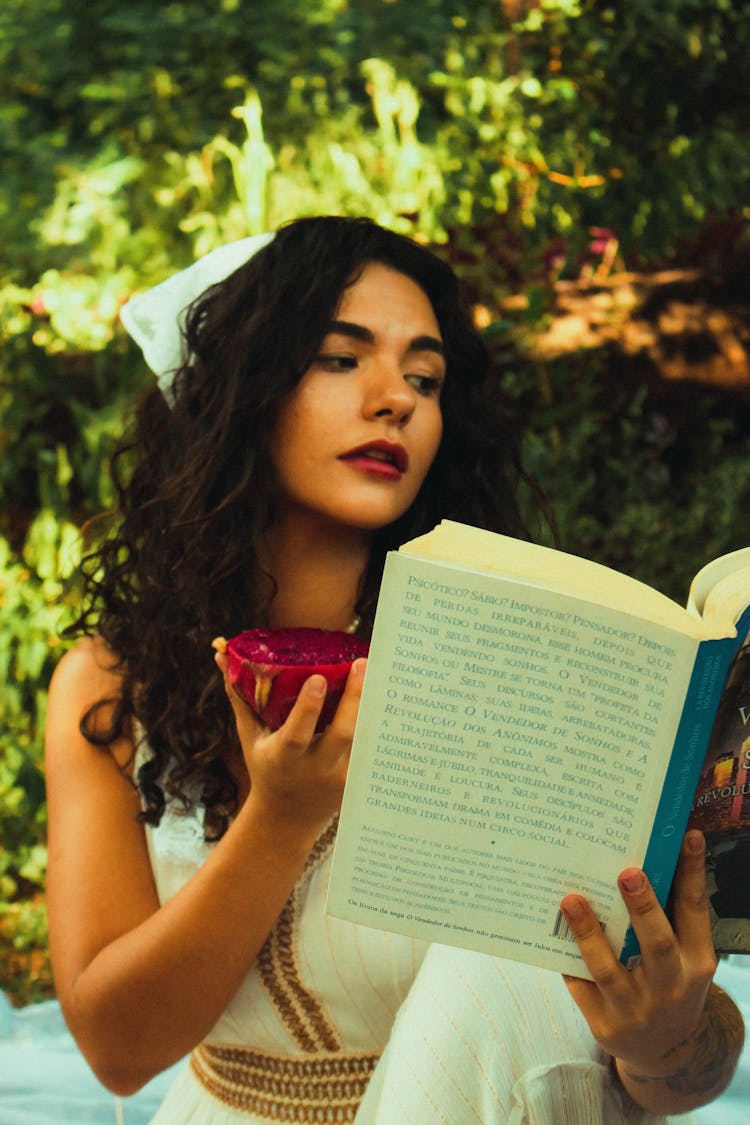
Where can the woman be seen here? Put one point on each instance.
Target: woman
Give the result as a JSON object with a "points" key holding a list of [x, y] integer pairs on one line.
{"points": [[330, 403]]}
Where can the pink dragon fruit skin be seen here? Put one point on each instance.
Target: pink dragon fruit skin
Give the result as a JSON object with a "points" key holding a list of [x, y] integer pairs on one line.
{"points": [[269, 666]]}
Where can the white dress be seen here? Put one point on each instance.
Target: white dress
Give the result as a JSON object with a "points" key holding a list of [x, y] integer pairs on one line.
{"points": [[476, 1039], [483, 1041], [301, 1037]]}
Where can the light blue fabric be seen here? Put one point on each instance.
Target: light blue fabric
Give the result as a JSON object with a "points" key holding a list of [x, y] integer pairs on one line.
{"points": [[733, 1107], [44, 1080]]}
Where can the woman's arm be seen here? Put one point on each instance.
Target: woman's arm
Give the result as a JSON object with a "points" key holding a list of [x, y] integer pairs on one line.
{"points": [[674, 1036], [140, 984]]}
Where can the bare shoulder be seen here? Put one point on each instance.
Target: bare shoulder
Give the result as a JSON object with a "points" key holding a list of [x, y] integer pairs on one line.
{"points": [[89, 667], [87, 676]]}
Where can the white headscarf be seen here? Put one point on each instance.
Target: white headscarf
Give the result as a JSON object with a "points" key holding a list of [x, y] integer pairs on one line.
{"points": [[156, 319]]}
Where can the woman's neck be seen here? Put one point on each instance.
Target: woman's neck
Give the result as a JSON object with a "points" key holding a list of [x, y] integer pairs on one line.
{"points": [[317, 574]]}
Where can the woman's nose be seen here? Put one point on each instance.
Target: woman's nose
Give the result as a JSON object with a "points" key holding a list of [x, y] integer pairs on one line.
{"points": [[388, 394]]}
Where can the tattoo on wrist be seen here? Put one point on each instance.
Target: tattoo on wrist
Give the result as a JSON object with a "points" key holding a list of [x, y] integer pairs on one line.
{"points": [[717, 1043]]}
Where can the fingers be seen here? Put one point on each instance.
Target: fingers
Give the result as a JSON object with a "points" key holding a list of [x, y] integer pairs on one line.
{"points": [[298, 731], [659, 950], [597, 956], [587, 929], [641, 1016], [664, 950], [690, 897], [618, 1003], [300, 726], [297, 776], [345, 719], [660, 954], [248, 725]]}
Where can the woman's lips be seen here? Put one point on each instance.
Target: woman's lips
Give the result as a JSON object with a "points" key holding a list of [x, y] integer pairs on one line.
{"points": [[380, 458], [374, 467]]}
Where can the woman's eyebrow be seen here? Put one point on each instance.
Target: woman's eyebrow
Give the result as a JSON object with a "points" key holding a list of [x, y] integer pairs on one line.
{"points": [[427, 344], [359, 332]]}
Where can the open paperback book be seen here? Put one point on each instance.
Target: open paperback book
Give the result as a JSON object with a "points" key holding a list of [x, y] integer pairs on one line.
{"points": [[532, 723]]}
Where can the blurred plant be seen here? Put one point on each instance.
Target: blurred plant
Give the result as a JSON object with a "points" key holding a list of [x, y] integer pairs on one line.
{"points": [[37, 597]]}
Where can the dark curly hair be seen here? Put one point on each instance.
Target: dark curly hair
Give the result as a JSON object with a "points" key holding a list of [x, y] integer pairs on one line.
{"points": [[196, 493]]}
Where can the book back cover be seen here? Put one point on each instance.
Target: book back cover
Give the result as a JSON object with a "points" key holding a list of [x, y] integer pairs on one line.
{"points": [[721, 810]]}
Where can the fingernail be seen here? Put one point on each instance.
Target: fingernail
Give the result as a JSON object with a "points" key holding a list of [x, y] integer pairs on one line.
{"points": [[573, 908], [632, 882], [694, 842], [317, 685]]}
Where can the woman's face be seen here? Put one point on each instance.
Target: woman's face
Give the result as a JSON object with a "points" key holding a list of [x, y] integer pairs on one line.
{"points": [[355, 440]]}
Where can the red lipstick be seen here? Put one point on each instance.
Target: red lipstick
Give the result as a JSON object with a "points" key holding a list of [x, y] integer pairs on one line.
{"points": [[382, 458]]}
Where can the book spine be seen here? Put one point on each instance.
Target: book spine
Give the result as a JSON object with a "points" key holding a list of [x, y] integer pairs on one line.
{"points": [[691, 741]]}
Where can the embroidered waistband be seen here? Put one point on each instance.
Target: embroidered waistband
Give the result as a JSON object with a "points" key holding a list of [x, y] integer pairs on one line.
{"points": [[320, 1087]]}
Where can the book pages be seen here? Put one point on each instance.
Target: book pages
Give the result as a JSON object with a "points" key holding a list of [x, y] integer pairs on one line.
{"points": [[511, 747]]}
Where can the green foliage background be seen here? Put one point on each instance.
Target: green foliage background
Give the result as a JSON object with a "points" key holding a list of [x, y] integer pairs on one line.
{"points": [[136, 136]]}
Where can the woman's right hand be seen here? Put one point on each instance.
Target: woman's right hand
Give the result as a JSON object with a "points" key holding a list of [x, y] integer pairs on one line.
{"points": [[296, 775]]}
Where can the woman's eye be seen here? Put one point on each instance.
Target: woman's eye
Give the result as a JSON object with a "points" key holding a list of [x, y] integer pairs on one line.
{"points": [[425, 384], [330, 362]]}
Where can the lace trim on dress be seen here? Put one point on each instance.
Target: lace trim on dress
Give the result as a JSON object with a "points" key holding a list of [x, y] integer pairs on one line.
{"points": [[318, 1088], [180, 834]]}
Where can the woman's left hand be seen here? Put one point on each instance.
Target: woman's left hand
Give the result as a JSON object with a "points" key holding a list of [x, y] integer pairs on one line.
{"points": [[674, 1036]]}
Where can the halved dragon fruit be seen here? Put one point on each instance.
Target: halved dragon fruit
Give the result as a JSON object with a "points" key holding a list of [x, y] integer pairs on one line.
{"points": [[269, 666]]}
